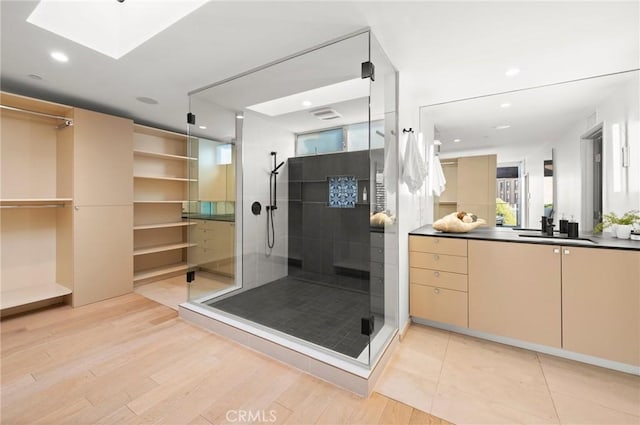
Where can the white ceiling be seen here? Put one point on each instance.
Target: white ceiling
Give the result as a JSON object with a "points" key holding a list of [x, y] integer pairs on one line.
{"points": [[443, 50]]}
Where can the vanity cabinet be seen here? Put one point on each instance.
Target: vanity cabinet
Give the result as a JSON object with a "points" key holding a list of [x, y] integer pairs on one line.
{"points": [[214, 249], [601, 303], [515, 291], [438, 279]]}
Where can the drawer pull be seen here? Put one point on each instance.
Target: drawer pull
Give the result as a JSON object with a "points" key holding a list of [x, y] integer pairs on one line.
{"points": [[556, 250], [436, 241], [436, 257], [567, 252], [436, 274], [436, 290]]}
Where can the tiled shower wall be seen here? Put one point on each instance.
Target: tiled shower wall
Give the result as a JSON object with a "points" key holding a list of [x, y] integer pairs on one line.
{"points": [[328, 244]]}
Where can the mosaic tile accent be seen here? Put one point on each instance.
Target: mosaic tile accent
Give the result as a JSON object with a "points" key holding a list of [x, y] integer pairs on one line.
{"points": [[343, 192]]}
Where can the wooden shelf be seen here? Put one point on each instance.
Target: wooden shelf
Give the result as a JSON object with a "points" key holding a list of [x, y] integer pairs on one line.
{"points": [[31, 294], [175, 179], [162, 248], [26, 202], [159, 202], [163, 155], [352, 265], [164, 225], [159, 271], [447, 202]]}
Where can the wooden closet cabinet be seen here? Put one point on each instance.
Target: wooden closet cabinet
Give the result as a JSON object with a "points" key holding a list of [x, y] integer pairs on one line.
{"points": [[103, 206], [66, 199]]}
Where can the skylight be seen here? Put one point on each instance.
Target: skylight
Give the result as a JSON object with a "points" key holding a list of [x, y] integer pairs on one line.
{"points": [[110, 27]]}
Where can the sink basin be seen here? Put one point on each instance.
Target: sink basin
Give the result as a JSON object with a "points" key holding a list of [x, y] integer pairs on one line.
{"points": [[559, 239]]}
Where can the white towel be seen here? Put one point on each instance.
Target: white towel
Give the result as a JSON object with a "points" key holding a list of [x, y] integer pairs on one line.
{"points": [[437, 181], [414, 170]]}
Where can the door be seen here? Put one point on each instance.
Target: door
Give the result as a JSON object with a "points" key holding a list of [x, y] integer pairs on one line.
{"points": [[103, 252], [601, 303]]}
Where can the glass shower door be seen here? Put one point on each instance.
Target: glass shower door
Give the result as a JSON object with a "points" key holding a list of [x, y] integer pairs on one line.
{"points": [[212, 198]]}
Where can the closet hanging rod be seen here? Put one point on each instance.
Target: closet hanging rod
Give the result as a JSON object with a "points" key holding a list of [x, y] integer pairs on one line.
{"points": [[67, 121], [33, 206]]}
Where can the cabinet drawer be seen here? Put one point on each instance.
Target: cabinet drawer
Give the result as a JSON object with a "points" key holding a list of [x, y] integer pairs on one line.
{"points": [[448, 246], [447, 263], [438, 279], [438, 304]]}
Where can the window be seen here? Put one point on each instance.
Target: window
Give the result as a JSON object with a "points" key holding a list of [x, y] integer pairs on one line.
{"points": [[353, 137]]}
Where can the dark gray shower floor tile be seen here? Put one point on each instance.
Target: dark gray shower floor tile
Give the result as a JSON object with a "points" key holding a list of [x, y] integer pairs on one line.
{"points": [[320, 314]]}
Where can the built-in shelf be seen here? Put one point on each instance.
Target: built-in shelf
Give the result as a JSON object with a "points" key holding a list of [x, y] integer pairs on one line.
{"points": [[163, 155], [159, 271], [164, 225], [31, 294], [352, 265], [448, 202], [175, 179], [26, 202], [159, 202], [162, 248]]}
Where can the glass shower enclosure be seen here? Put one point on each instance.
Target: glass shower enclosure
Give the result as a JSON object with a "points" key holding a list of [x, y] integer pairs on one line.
{"points": [[293, 206]]}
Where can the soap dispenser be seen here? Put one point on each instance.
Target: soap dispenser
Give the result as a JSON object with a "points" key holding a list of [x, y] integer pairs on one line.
{"points": [[563, 224]]}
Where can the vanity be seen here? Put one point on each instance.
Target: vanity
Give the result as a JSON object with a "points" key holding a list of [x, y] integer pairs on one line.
{"points": [[577, 298]]}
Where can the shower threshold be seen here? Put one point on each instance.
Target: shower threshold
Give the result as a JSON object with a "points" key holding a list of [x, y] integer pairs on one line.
{"points": [[355, 375]]}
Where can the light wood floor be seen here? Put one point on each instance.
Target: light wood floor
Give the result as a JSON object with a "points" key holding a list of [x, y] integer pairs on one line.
{"points": [[132, 360]]}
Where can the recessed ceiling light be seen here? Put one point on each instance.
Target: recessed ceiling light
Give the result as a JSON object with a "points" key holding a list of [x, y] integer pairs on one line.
{"points": [[502, 127], [147, 100], [456, 140], [240, 116], [306, 103], [109, 27], [35, 77], [59, 56], [202, 127], [505, 105], [512, 72]]}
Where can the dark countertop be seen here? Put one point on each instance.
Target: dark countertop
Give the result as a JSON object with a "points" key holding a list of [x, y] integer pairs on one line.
{"points": [[213, 217], [506, 234]]}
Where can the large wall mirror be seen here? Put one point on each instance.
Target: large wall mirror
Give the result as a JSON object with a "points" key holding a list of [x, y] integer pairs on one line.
{"points": [[571, 149]]}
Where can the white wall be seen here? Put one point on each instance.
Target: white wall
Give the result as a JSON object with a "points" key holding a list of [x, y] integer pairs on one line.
{"points": [[413, 209], [260, 137]]}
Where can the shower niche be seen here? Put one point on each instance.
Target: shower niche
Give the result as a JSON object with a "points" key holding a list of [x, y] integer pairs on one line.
{"points": [[313, 142]]}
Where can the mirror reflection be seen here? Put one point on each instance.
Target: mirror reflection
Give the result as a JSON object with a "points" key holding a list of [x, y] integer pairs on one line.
{"points": [[567, 150]]}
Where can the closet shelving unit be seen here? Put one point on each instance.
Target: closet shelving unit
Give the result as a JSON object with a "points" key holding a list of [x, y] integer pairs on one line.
{"points": [[162, 181], [35, 202]]}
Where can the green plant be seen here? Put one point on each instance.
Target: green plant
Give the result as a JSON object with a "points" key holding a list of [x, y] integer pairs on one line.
{"points": [[503, 209], [629, 218]]}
